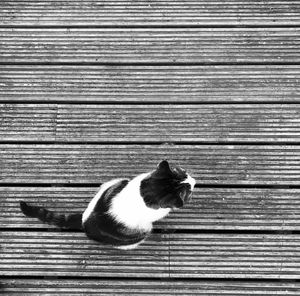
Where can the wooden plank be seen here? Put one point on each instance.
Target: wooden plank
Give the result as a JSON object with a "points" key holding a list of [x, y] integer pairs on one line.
{"points": [[150, 83], [234, 256], [234, 45], [169, 255], [147, 288], [209, 164], [27, 122], [73, 254], [210, 208], [146, 13], [150, 123]]}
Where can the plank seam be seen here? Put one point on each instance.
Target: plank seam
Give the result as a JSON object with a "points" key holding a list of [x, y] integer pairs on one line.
{"points": [[157, 103], [151, 143], [152, 26], [173, 279], [145, 64]]}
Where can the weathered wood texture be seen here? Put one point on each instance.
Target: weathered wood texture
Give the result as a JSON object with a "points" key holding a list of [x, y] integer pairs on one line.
{"points": [[210, 164], [154, 13], [178, 45], [168, 255], [66, 52], [148, 288], [150, 83], [210, 208], [150, 123], [72, 254], [234, 256]]}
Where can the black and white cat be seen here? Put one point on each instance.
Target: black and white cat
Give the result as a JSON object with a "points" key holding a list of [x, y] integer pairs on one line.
{"points": [[122, 212]]}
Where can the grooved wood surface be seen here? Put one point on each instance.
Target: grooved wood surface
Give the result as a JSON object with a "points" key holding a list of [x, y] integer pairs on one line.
{"points": [[209, 164], [209, 209], [73, 254], [170, 255], [147, 287], [234, 256], [150, 13], [108, 89], [225, 45], [122, 83], [161, 123]]}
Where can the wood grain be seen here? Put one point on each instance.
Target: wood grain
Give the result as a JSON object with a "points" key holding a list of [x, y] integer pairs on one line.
{"points": [[73, 254], [148, 288], [28, 122], [169, 255], [234, 256], [150, 83], [209, 164], [276, 45], [57, 53], [149, 13], [209, 209], [150, 123]]}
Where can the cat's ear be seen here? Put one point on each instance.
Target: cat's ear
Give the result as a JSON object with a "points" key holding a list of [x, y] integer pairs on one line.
{"points": [[163, 170], [164, 166]]}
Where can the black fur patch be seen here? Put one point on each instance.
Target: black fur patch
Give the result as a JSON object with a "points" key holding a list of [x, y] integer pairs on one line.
{"points": [[104, 202], [163, 188], [102, 227], [70, 221], [105, 229]]}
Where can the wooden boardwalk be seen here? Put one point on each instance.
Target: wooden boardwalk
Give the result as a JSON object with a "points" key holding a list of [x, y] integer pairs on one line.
{"points": [[91, 90]]}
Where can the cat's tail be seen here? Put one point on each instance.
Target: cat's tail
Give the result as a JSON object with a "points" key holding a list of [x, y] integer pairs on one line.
{"points": [[70, 221]]}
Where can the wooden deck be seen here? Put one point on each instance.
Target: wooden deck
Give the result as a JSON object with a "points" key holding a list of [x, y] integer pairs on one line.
{"points": [[91, 90]]}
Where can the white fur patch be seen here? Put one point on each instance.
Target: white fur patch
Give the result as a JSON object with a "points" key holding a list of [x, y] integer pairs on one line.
{"points": [[190, 181], [94, 201], [129, 208], [129, 247]]}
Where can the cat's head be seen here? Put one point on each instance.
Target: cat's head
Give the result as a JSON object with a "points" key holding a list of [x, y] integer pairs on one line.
{"points": [[167, 187]]}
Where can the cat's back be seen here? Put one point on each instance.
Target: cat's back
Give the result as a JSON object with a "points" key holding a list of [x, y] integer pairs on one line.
{"points": [[108, 189]]}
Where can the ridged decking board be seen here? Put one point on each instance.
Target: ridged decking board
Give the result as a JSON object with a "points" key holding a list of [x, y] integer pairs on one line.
{"points": [[146, 13], [147, 288], [150, 123], [210, 208], [209, 164], [122, 83], [162, 256], [234, 256], [73, 254], [28, 122], [92, 90], [276, 45]]}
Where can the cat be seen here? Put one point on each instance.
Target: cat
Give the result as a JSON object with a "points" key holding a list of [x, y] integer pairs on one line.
{"points": [[122, 212]]}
